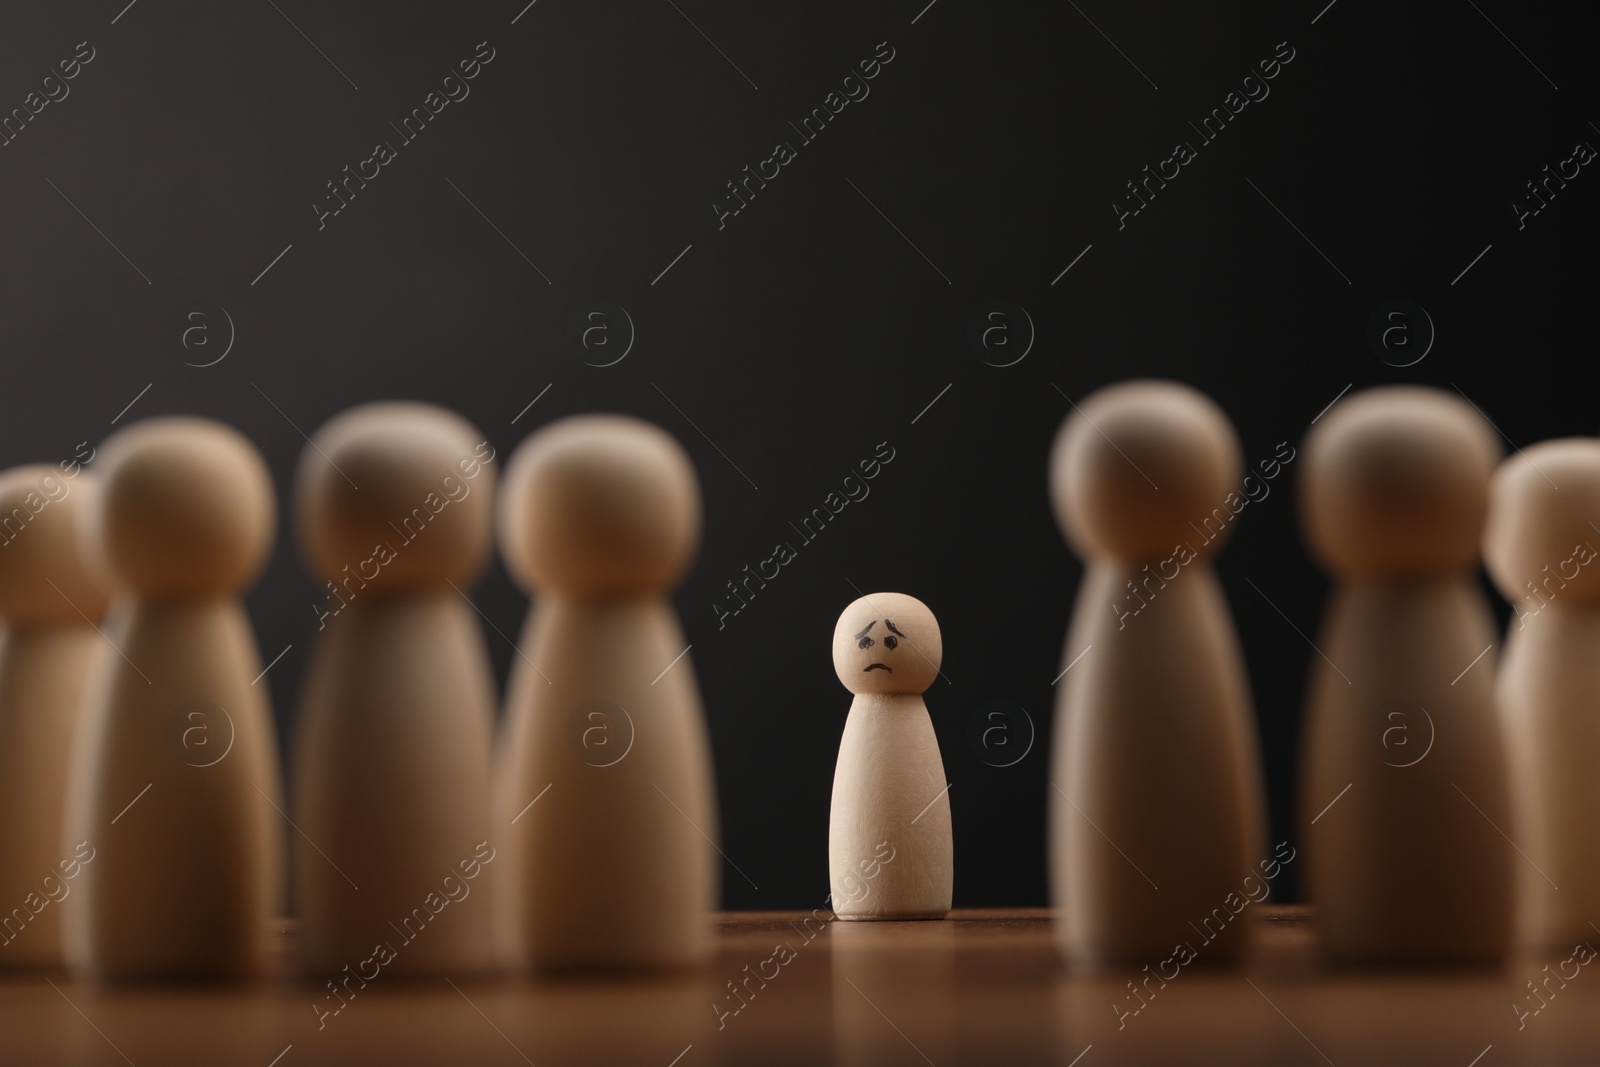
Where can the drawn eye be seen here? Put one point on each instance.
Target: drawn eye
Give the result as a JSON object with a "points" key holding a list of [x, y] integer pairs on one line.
{"points": [[866, 642], [889, 642]]}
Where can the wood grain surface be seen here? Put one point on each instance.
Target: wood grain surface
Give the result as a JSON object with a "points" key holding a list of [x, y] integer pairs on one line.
{"points": [[983, 987]]}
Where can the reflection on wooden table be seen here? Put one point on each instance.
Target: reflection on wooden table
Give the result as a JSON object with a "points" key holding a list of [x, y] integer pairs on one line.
{"points": [[983, 987]]}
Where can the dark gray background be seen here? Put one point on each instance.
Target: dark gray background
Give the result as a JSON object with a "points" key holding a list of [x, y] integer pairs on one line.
{"points": [[809, 329]]}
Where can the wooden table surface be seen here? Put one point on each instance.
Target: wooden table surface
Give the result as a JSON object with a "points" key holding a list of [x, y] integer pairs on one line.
{"points": [[983, 987]]}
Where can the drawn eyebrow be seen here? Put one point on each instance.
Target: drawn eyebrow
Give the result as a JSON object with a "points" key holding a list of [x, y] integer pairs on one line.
{"points": [[892, 627], [863, 631]]}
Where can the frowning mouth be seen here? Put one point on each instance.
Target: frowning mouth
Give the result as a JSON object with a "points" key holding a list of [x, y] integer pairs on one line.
{"points": [[877, 667]]}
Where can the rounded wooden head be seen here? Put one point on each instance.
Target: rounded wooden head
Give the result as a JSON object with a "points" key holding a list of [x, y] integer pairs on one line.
{"points": [[186, 510], [42, 577], [887, 643], [1139, 466], [1543, 536], [397, 494], [1396, 484], [599, 506]]}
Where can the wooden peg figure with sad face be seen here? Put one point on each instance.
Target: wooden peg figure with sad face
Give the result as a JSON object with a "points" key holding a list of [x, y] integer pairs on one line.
{"points": [[889, 845]]}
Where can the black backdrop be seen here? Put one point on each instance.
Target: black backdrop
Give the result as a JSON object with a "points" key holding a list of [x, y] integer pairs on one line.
{"points": [[178, 173]]}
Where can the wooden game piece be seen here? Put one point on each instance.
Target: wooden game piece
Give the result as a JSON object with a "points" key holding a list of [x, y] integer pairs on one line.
{"points": [[49, 607], [1403, 781], [1540, 545], [173, 776], [395, 506], [889, 842], [1157, 811], [604, 790]]}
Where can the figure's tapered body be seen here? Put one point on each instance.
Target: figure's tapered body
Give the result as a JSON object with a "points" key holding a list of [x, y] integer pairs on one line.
{"points": [[1549, 700], [391, 777], [1423, 762], [610, 866], [1155, 750], [173, 785], [603, 778]]}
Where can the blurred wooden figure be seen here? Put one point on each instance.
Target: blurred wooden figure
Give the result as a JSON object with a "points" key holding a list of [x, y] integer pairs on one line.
{"points": [[1403, 782], [616, 866], [1540, 545], [1157, 806], [890, 854], [49, 607], [173, 777], [395, 506]]}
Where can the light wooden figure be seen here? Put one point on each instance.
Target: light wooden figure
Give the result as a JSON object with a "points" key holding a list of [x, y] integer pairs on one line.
{"points": [[1540, 545], [49, 607], [890, 853], [1157, 813], [173, 778], [1403, 791], [604, 788], [395, 506]]}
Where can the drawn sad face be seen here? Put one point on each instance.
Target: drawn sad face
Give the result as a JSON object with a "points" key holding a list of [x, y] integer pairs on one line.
{"points": [[891, 641], [887, 643]]}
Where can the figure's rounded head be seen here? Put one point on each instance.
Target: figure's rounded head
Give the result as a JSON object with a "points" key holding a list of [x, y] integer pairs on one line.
{"points": [[600, 506], [1396, 484], [887, 643], [42, 576], [187, 509], [399, 493], [1138, 467], [1544, 535]]}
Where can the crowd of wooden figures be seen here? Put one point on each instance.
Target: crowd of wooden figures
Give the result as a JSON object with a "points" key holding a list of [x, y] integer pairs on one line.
{"points": [[1445, 788]]}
